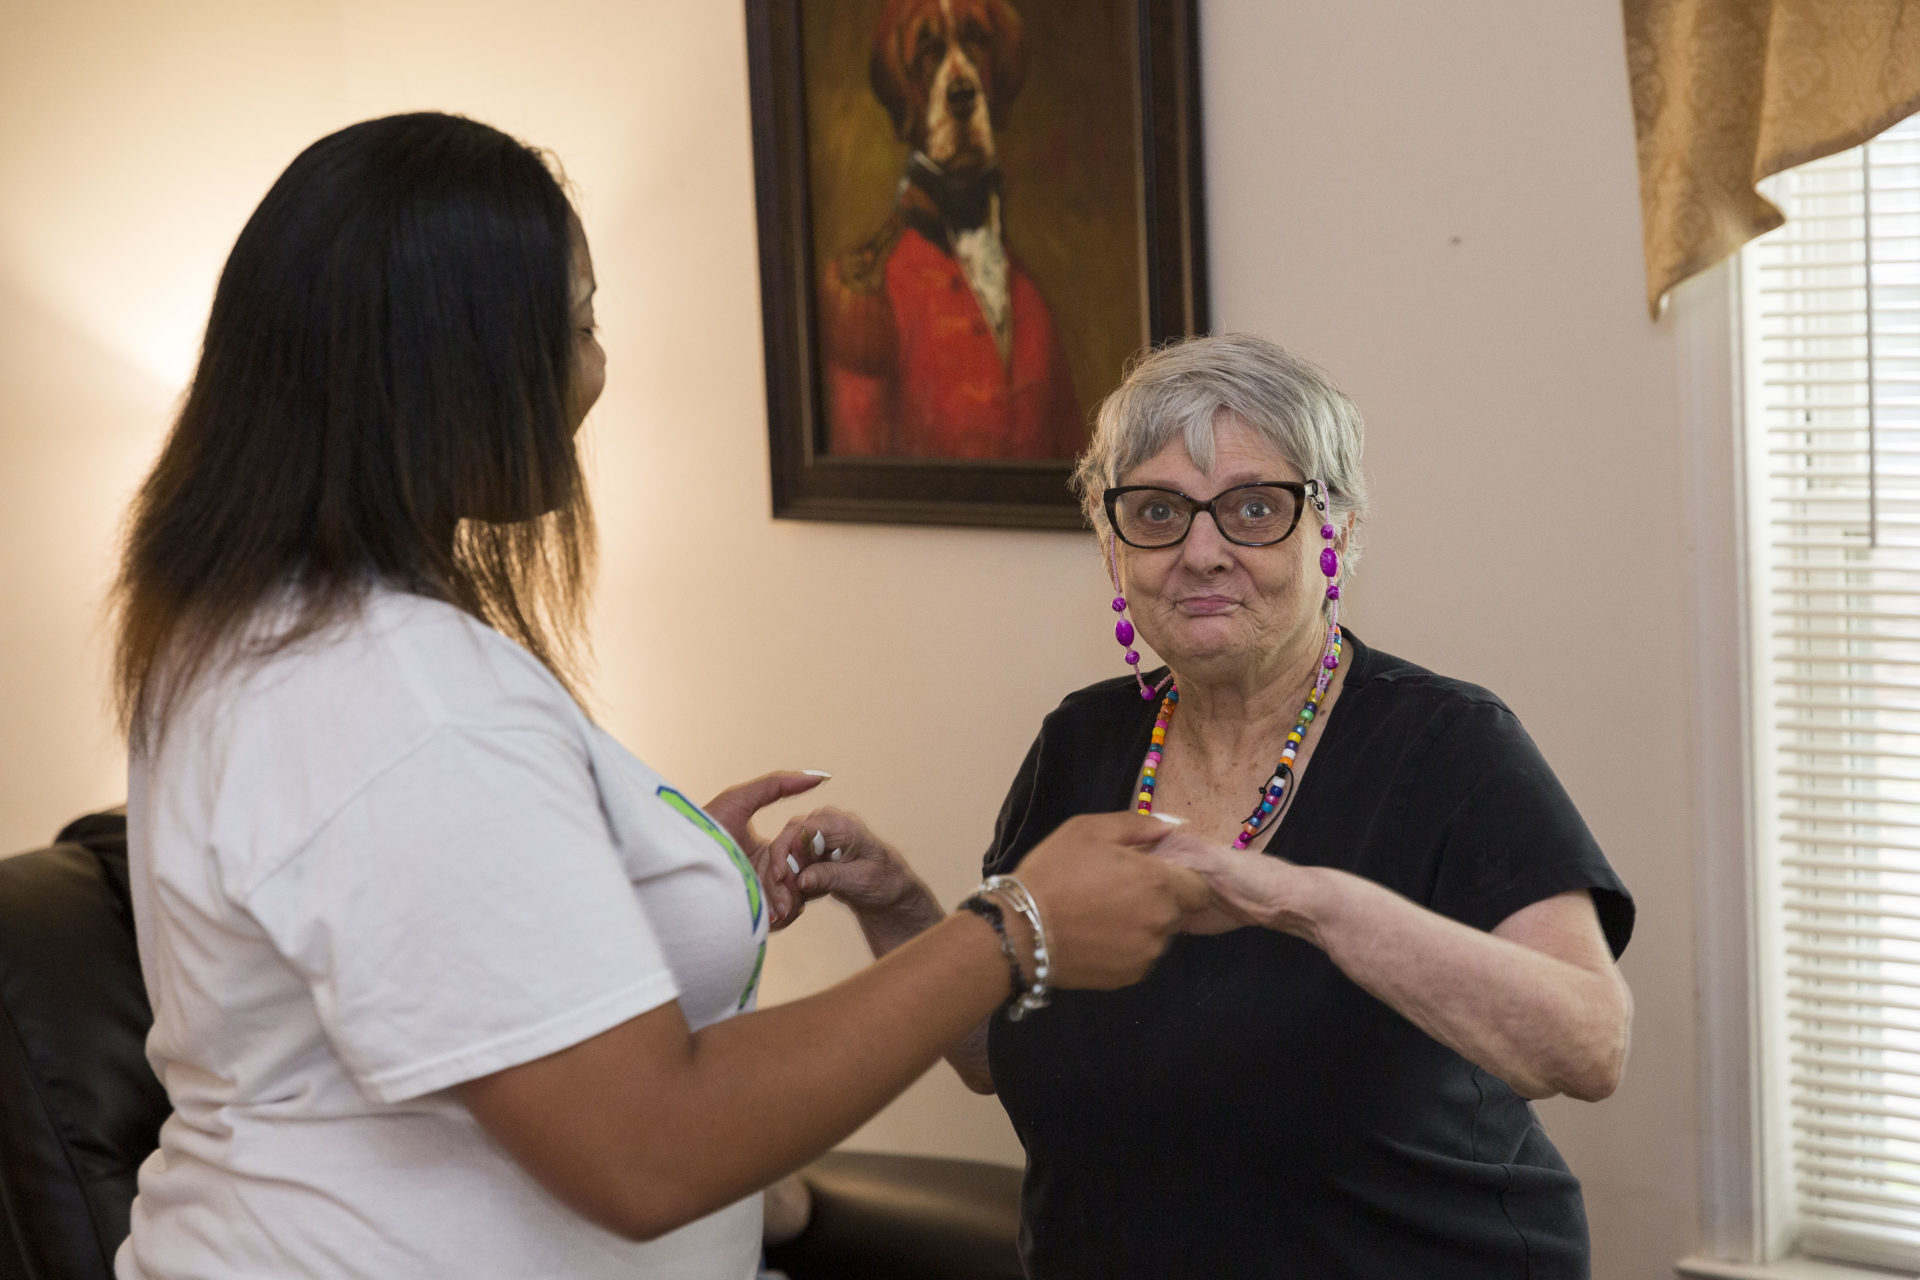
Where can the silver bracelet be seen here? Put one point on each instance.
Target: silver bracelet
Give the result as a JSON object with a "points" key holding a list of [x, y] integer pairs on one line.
{"points": [[1016, 896]]}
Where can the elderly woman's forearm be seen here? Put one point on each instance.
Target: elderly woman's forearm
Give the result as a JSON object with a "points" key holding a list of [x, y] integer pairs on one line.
{"points": [[893, 926], [969, 1060], [1543, 1024]]}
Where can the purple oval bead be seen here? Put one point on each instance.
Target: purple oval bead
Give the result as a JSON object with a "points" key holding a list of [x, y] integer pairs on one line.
{"points": [[1326, 531], [1146, 695], [1329, 662], [1123, 631], [1329, 562], [1333, 593], [1133, 657], [1119, 604]]}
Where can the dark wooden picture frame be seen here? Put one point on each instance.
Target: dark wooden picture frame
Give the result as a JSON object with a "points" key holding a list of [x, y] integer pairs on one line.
{"points": [[811, 483]]}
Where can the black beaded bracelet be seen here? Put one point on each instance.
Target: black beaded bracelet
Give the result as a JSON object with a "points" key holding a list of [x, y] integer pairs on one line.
{"points": [[989, 910]]}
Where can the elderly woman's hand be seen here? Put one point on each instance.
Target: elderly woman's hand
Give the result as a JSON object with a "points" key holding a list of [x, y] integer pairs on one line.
{"points": [[1248, 888], [831, 852]]}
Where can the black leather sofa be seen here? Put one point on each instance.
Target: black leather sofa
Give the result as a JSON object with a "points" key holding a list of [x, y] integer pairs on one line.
{"points": [[80, 1108]]}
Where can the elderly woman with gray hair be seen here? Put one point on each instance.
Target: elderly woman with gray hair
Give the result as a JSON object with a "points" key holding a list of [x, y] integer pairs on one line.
{"points": [[1414, 931]]}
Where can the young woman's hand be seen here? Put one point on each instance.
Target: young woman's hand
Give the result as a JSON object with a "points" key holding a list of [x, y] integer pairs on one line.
{"points": [[1108, 908]]}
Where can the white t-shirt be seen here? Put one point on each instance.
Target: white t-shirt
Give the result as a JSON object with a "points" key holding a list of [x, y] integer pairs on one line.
{"points": [[386, 861]]}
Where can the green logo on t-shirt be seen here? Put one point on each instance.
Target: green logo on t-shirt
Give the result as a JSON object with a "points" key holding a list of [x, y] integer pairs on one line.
{"points": [[759, 963], [694, 814]]}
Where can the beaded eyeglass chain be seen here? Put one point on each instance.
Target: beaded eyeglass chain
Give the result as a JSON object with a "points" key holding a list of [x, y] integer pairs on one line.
{"points": [[1274, 795]]}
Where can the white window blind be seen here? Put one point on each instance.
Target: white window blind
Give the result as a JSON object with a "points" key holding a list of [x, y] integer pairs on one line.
{"points": [[1834, 336]]}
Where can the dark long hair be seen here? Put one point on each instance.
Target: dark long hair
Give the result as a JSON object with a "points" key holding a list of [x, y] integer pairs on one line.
{"points": [[382, 397]]}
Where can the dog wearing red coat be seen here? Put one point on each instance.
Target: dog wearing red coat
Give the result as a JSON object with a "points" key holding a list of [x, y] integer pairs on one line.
{"points": [[938, 343]]}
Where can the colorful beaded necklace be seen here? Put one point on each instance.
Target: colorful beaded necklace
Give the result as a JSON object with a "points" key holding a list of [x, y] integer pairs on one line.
{"points": [[1273, 795]]}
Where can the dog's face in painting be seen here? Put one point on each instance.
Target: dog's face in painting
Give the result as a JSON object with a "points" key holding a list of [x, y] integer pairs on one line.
{"points": [[946, 70]]}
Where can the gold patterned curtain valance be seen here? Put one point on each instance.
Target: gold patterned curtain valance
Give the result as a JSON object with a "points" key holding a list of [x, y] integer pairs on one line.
{"points": [[1727, 92]]}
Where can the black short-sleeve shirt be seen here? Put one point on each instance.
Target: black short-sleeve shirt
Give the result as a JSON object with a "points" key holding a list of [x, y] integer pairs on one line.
{"points": [[1247, 1110]]}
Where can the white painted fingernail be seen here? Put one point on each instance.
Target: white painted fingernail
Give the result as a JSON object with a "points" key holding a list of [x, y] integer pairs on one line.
{"points": [[819, 845], [816, 773], [1169, 819], [792, 865], [835, 855]]}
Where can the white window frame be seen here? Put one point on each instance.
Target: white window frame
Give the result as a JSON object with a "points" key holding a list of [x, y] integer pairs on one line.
{"points": [[1746, 1192], [1738, 1224], [1745, 1189]]}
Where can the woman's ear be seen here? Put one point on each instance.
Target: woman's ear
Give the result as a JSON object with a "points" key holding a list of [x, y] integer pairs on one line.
{"points": [[1110, 554]]}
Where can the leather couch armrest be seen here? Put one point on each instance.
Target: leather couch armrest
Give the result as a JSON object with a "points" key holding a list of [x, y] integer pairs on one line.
{"points": [[883, 1217]]}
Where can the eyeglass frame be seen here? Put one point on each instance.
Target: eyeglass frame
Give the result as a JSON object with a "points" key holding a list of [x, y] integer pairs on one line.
{"points": [[1300, 490]]}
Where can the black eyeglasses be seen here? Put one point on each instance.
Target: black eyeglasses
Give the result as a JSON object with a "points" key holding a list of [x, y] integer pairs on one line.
{"points": [[1247, 515]]}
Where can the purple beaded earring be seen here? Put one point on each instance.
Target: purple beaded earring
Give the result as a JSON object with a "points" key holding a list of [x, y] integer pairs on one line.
{"points": [[1329, 558], [1123, 629]]}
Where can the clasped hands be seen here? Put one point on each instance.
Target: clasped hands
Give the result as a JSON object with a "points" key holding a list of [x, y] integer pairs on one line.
{"points": [[832, 853], [827, 852]]}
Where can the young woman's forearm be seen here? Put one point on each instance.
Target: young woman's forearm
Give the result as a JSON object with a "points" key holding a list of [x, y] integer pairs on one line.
{"points": [[646, 1127], [886, 932], [680, 1125], [788, 1083], [1542, 1024]]}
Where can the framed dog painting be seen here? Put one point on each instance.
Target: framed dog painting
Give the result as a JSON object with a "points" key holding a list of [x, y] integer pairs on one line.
{"points": [[972, 212]]}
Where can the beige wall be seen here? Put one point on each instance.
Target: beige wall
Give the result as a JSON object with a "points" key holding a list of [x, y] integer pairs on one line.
{"points": [[1436, 202]]}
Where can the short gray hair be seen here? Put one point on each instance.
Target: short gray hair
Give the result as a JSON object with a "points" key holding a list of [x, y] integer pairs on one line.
{"points": [[1180, 389]]}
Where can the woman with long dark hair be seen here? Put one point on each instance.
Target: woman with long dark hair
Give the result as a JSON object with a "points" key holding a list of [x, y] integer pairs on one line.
{"points": [[445, 981]]}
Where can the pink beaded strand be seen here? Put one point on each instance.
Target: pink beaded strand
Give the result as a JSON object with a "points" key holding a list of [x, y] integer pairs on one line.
{"points": [[1273, 797], [1150, 771]]}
